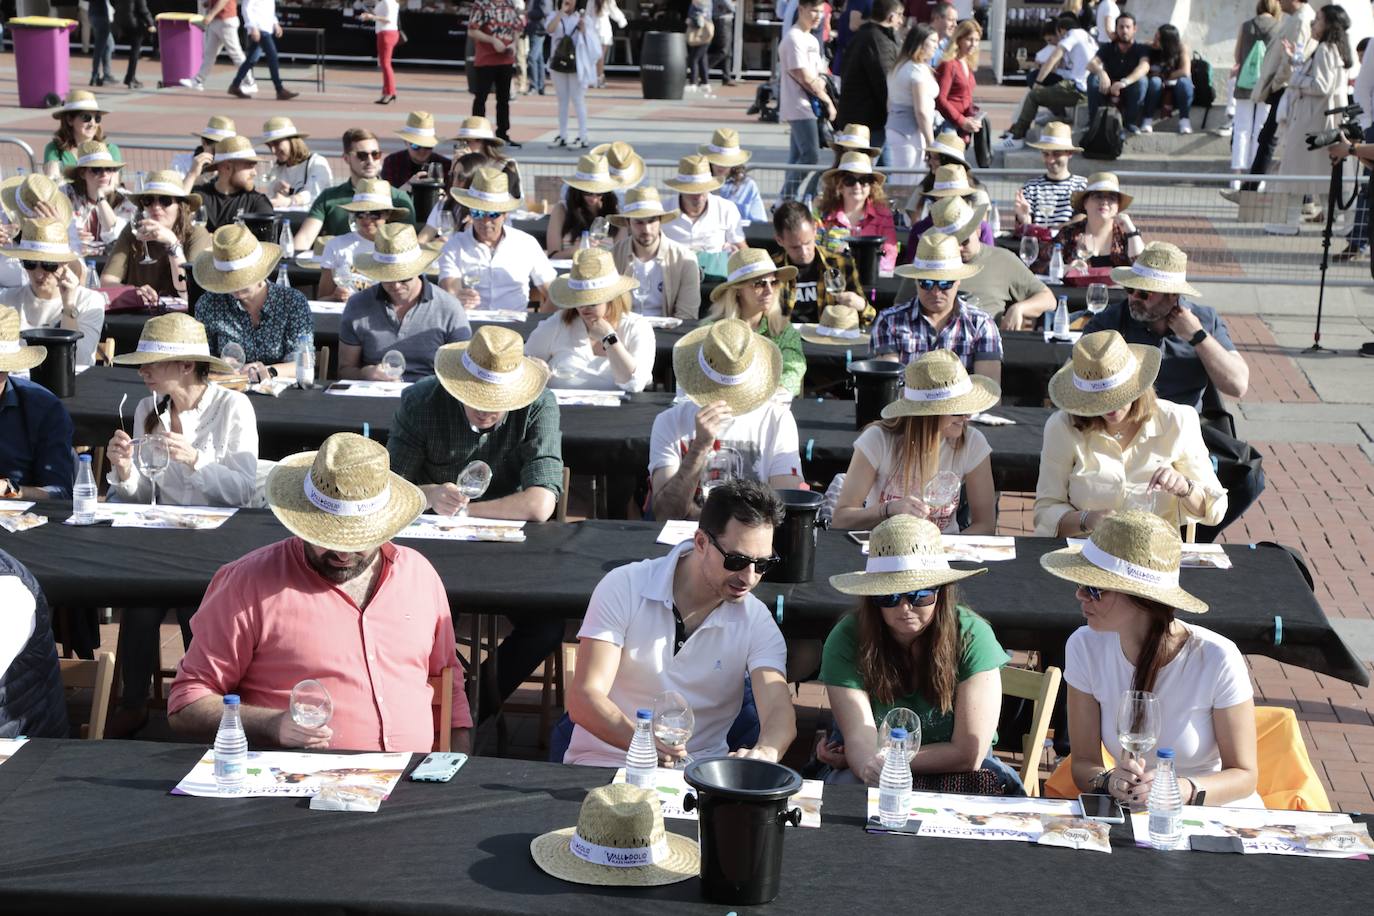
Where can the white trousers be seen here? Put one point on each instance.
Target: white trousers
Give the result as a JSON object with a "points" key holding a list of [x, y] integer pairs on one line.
{"points": [[1245, 130], [569, 88]]}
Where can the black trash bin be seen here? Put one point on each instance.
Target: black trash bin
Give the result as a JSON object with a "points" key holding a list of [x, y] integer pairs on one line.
{"points": [[663, 65], [57, 372], [866, 250], [742, 809], [262, 225], [876, 383], [795, 539]]}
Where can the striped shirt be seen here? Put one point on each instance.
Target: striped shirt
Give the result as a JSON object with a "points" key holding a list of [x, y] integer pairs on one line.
{"points": [[1045, 194], [971, 334]]}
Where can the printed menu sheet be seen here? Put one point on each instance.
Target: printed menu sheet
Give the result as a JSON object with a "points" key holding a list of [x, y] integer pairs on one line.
{"points": [[672, 789], [1259, 831], [464, 528], [1045, 821], [287, 774]]}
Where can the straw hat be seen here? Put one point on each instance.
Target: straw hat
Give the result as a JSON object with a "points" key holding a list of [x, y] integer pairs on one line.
{"points": [[727, 361], [724, 149], [1133, 552], [950, 181], [954, 216], [1160, 268], [490, 190], [221, 128], [748, 264], [397, 255], [643, 203], [937, 258], [593, 175], [419, 129], [838, 327], [15, 354], [937, 385], [854, 137], [279, 128], [166, 183], [91, 154], [236, 260], [235, 149], [1055, 136], [1105, 374], [19, 195], [491, 371], [593, 280], [856, 164], [904, 553], [171, 337], [42, 240], [627, 166], [78, 100], [620, 824], [374, 194], [693, 176], [1101, 181], [344, 496], [476, 128], [948, 143]]}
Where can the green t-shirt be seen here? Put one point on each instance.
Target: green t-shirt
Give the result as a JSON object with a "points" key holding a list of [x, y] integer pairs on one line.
{"points": [[68, 156], [979, 651], [326, 207]]}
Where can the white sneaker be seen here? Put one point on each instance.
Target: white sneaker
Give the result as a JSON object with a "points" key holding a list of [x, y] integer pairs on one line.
{"points": [[1147, 126], [193, 82], [1009, 144], [1185, 126], [250, 88]]}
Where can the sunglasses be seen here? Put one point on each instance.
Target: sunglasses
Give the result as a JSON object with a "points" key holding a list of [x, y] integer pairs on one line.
{"points": [[763, 283], [41, 265], [851, 181], [923, 597], [368, 153], [933, 284], [416, 146], [485, 214], [87, 117], [368, 214], [734, 562], [101, 169], [162, 200], [1093, 592]]}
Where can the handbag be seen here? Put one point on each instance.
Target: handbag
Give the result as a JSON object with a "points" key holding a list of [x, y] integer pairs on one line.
{"points": [[564, 58]]}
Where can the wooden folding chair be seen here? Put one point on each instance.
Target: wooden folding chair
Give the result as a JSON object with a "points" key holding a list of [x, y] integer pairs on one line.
{"points": [[1041, 688], [96, 676], [442, 686]]}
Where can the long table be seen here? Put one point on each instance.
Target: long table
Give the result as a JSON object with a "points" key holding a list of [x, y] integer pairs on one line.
{"points": [[553, 572], [91, 823]]}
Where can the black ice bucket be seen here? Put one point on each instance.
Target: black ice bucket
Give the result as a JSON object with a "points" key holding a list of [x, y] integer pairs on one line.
{"points": [[425, 194], [742, 809], [795, 539], [866, 251], [876, 383], [57, 372], [262, 225]]}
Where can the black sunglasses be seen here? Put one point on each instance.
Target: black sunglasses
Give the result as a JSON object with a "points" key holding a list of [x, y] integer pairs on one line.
{"points": [[418, 146], [734, 562], [368, 153], [368, 214], [87, 117], [1093, 592], [854, 180], [922, 597], [101, 169], [45, 265], [162, 200], [932, 284]]}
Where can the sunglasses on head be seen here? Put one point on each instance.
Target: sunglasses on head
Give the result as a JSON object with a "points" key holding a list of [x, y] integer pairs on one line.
{"points": [[87, 117], [855, 180], [922, 597], [735, 562], [41, 265], [368, 153], [162, 200], [933, 284], [485, 214]]}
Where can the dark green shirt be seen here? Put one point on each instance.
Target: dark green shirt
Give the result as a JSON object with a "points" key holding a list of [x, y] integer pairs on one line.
{"points": [[326, 207], [431, 441]]}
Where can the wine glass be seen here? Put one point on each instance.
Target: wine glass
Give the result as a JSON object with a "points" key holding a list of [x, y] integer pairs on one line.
{"points": [[1139, 497], [901, 717], [941, 494], [1044, 213], [599, 231], [1098, 297], [473, 482], [311, 706], [1137, 722], [834, 281], [139, 217], [152, 458], [445, 221], [673, 721], [393, 365], [233, 354], [201, 217], [1030, 249]]}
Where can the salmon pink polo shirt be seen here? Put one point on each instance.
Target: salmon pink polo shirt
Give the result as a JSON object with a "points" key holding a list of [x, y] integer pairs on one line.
{"points": [[269, 621]]}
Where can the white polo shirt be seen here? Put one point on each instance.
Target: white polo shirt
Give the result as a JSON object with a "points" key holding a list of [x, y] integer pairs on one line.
{"points": [[632, 608], [765, 438], [504, 274], [718, 224]]}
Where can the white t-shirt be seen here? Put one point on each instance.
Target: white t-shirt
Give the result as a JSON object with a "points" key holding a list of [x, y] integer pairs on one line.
{"points": [[47, 313], [648, 297], [1208, 673], [388, 14], [344, 248], [1107, 11], [880, 448], [901, 112], [567, 349], [718, 224], [504, 274], [632, 608], [1079, 49], [798, 50], [21, 618], [765, 439]]}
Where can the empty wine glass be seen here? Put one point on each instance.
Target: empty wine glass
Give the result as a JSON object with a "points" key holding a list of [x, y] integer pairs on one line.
{"points": [[473, 481], [673, 721], [138, 220], [599, 231], [201, 217], [901, 717], [393, 365], [1139, 497], [1098, 297], [834, 281], [941, 494], [311, 706], [1030, 249], [152, 458], [445, 221], [233, 354]]}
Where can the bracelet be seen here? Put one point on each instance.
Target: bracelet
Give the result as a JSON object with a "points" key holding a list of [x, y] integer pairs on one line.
{"points": [[1190, 489], [1192, 792], [1134, 234], [1083, 520], [1102, 781]]}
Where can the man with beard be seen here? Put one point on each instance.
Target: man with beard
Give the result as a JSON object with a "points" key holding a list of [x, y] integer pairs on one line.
{"points": [[232, 191], [669, 279], [338, 602]]}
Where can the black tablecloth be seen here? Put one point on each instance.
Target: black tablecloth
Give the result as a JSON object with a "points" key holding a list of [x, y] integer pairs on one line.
{"points": [[1028, 608], [90, 824]]}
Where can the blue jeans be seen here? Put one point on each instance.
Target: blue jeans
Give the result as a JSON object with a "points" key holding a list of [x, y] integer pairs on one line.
{"points": [[1359, 233], [265, 46], [804, 148], [102, 45], [535, 62], [1183, 96], [1132, 101]]}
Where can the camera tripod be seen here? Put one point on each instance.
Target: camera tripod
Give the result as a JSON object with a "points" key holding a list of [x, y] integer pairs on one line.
{"points": [[1348, 130]]}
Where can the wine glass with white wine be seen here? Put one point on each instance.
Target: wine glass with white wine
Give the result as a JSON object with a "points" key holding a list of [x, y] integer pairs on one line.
{"points": [[674, 721]]}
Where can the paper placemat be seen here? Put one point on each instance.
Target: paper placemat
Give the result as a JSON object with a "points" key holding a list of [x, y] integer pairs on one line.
{"points": [[9, 747], [141, 515], [464, 528], [672, 789], [366, 388], [326, 307], [572, 397], [1047, 821], [499, 316], [1260, 831], [287, 774], [677, 530]]}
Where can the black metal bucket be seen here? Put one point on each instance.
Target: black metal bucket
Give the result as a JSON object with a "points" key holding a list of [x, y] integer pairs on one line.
{"points": [[57, 372], [795, 539], [876, 383], [742, 809], [262, 225], [663, 65], [425, 194], [866, 250]]}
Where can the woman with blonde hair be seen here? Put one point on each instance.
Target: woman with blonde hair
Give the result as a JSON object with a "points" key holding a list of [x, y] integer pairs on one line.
{"points": [[852, 201], [955, 77], [751, 295]]}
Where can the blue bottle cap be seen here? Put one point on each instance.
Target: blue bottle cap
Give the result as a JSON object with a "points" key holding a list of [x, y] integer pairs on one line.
{"points": [[85, 459], [231, 699], [898, 734], [644, 713], [1165, 753]]}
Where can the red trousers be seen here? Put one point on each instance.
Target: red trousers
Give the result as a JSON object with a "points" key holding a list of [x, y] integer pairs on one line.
{"points": [[386, 43]]}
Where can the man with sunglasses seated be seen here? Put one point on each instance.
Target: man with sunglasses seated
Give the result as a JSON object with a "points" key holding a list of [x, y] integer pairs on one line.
{"points": [[492, 265], [402, 166], [232, 194], [937, 318], [687, 623], [363, 156]]}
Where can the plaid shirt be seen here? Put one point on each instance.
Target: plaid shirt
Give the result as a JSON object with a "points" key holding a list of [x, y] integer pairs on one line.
{"points": [[846, 265], [904, 330], [431, 442]]}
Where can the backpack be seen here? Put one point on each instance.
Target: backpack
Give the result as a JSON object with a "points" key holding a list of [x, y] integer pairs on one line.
{"points": [[1204, 93], [1104, 137], [1250, 68]]}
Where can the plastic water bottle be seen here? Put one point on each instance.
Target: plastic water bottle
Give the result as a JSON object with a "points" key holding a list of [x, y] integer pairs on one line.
{"points": [[585, 242], [641, 760], [1061, 319], [894, 784], [92, 275], [1165, 804], [305, 362], [231, 747], [287, 243], [83, 494], [1057, 264]]}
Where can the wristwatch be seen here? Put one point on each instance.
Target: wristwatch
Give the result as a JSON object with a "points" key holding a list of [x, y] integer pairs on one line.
{"points": [[1199, 337], [610, 340]]}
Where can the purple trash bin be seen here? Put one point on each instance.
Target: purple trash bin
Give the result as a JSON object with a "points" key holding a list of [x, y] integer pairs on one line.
{"points": [[181, 42], [41, 58]]}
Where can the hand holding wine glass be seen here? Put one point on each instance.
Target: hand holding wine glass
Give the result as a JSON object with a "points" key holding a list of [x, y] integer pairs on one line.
{"points": [[1137, 722], [152, 458], [393, 365], [311, 705], [144, 234], [472, 482], [233, 355], [673, 724], [834, 281]]}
